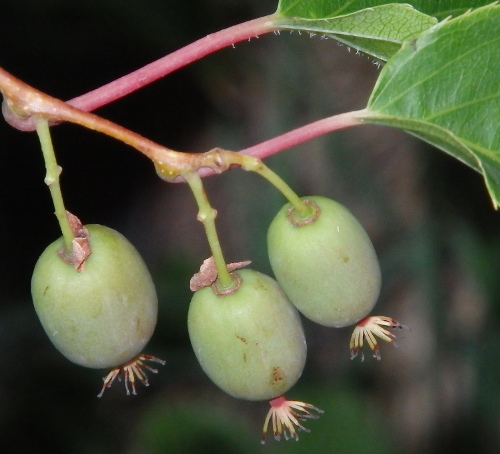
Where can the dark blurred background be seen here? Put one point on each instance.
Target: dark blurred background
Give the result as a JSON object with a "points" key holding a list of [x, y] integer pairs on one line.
{"points": [[430, 219]]}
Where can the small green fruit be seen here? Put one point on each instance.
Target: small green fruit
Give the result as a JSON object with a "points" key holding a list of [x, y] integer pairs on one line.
{"points": [[327, 266], [250, 342], [104, 315]]}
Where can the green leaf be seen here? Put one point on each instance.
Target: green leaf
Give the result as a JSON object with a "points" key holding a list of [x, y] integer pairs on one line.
{"points": [[375, 27], [378, 31], [444, 88], [316, 9]]}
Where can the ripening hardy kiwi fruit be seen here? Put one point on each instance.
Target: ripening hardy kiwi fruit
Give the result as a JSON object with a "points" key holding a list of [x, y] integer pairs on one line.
{"points": [[326, 264], [250, 342], [104, 315]]}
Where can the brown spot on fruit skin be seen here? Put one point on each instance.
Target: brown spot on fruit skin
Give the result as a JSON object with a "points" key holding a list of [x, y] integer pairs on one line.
{"points": [[244, 357], [277, 375], [242, 339]]}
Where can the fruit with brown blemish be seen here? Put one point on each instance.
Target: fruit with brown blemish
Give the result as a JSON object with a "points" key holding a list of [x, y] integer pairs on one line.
{"points": [[249, 342]]}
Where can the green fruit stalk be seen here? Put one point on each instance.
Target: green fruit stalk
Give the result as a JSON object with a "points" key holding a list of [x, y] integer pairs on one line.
{"points": [[326, 264], [104, 315], [250, 343]]}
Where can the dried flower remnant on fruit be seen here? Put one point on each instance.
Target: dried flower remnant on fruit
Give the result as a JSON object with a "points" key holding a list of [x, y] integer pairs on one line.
{"points": [[370, 328], [80, 247], [286, 416], [208, 273], [129, 371]]}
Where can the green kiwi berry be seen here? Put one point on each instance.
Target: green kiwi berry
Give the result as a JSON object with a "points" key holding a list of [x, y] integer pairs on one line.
{"points": [[250, 342], [104, 315], [325, 262]]}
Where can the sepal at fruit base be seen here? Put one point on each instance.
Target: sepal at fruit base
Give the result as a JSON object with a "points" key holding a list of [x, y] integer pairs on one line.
{"points": [[370, 328], [285, 416], [129, 371]]}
